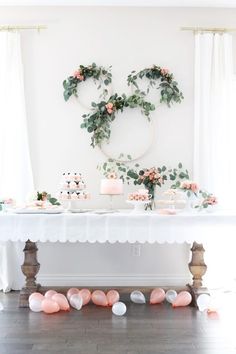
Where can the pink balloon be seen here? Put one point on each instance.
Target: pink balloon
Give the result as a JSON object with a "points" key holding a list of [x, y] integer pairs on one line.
{"points": [[72, 291], [86, 295], [62, 302], [50, 306], [184, 298], [49, 294], [112, 297], [36, 296], [157, 296], [99, 298]]}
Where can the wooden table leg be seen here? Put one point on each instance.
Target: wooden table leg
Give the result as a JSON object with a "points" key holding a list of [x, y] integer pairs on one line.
{"points": [[197, 268], [29, 268]]}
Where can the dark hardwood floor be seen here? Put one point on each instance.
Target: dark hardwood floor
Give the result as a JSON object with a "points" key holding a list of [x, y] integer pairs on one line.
{"points": [[145, 329]]}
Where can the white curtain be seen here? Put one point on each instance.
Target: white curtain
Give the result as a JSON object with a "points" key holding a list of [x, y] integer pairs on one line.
{"points": [[214, 140], [214, 143], [16, 180]]}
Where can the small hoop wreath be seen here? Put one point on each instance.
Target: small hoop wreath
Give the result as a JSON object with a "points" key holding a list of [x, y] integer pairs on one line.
{"points": [[98, 122], [101, 76], [160, 78]]}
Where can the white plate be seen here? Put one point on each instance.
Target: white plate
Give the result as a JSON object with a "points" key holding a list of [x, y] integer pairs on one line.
{"points": [[37, 211], [79, 210]]}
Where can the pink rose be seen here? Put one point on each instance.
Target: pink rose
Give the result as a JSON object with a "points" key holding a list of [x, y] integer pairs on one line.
{"points": [[164, 71], [194, 187], [78, 75], [110, 107], [211, 200]]}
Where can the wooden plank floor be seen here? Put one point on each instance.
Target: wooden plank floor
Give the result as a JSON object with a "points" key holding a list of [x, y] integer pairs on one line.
{"points": [[145, 329]]}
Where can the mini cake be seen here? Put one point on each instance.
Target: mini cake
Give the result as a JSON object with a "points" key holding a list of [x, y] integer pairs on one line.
{"points": [[111, 186], [73, 187]]}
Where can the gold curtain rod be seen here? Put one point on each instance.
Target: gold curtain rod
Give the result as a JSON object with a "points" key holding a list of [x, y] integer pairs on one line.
{"points": [[18, 28], [204, 29]]}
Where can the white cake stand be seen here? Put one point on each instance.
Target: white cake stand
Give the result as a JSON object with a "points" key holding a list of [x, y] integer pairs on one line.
{"points": [[139, 205]]}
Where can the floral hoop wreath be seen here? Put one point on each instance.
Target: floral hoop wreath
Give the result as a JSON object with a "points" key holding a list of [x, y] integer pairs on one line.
{"points": [[98, 122], [100, 75], [160, 78]]}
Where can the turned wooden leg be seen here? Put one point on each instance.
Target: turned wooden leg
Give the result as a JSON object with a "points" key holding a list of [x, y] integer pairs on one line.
{"points": [[29, 268], [197, 268]]}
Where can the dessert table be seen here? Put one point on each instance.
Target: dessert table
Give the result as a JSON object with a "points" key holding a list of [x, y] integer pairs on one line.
{"points": [[123, 226]]}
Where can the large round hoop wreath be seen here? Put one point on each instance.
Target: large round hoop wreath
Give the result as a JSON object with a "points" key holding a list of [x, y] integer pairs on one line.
{"points": [[101, 76], [98, 121]]}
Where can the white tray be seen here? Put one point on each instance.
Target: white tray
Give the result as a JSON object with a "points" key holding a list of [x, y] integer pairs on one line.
{"points": [[37, 211]]}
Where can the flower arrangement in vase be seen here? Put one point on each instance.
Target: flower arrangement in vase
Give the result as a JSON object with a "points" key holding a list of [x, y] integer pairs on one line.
{"points": [[209, 201]]}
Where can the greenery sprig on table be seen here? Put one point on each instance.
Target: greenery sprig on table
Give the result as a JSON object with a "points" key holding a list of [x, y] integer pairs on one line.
{"points": [[160, 78], [44, 196], [102, 76], [118, 168], [98, 122]]}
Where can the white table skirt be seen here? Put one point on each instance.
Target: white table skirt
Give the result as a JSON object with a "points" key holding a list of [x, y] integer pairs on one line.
{"points": [[120, 227]]}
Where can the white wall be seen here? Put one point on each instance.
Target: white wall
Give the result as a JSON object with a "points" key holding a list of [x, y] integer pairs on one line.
{"points": [[127, 39]]}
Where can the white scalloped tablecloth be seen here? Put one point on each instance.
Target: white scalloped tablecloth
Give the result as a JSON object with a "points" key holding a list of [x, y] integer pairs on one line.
{"points": [[121, 227]]}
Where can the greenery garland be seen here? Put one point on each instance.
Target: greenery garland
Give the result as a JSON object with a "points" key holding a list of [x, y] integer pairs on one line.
{"points": [[98, 122], [97, 73], [162, 79]]}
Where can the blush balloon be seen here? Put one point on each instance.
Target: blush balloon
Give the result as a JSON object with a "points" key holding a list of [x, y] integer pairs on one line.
{"points": [[157, 296], [86, 296], [99, 298], [49, 294], [184, 298], [71, 292], [112, 297], [62, 301], [37, 296], [49, 306]]}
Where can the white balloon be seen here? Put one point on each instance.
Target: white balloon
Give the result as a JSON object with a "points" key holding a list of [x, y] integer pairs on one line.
{"points": [[1, 307], [119, 309], [137, 297], [76, 301], [35, 305], [171, 295], [203, 302]]}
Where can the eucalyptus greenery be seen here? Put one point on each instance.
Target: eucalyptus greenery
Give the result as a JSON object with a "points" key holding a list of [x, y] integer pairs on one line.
{"points": [[99, 74], [98, 121], [46, 196], [161, 79], [117, 167]]}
